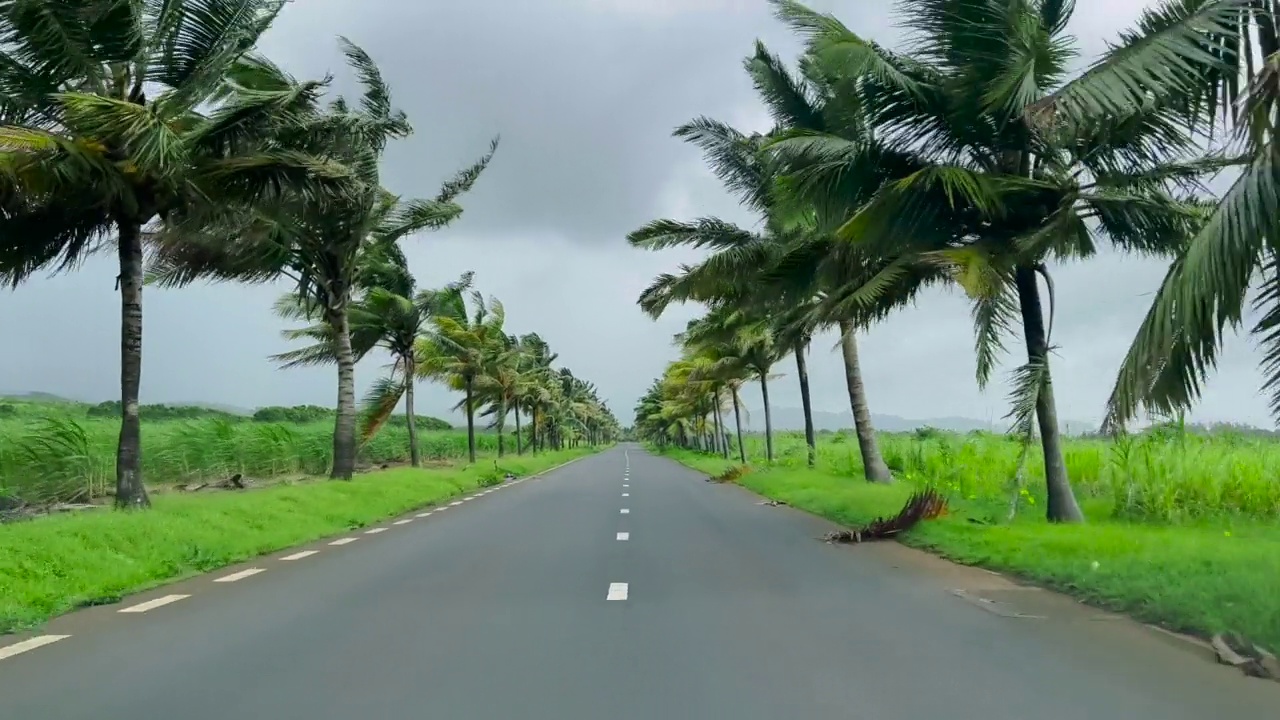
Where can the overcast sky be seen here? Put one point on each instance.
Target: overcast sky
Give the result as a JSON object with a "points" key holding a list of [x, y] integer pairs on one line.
{"points": [[585, 94]]}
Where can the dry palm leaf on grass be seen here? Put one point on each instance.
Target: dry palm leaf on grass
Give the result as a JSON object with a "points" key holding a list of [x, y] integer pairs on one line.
{"points": [[925, 504], [730, 475]]}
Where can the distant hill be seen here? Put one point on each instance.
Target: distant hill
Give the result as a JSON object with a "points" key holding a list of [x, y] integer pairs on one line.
{"points": [[788, 418], [43, 397]]}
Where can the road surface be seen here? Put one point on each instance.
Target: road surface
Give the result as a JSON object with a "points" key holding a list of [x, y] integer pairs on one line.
{"points": [[620, 587]]}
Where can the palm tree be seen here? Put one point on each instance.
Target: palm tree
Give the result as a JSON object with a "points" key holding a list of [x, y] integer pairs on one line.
{"points": [[536, 394], [459, 349], [1002, 163], [115, 115], [317, 243], [793, 268], [1234, 254], [745, 342]]}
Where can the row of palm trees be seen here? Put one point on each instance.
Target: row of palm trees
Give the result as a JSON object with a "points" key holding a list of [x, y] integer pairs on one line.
{"points": [[455, 336], [972, 156], [159, 130]]}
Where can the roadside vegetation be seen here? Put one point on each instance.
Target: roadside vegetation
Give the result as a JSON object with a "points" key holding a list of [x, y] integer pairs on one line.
{"points": [[57, 564], [978, 155]]}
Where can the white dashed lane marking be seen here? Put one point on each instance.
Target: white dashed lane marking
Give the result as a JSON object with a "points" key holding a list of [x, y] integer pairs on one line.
{"points": [[300, 555], [344, 541], [240, 575], [617, 591], [30, 644], [625, 511], [455, 503], [405, 521], [624, 536], [422, 515], [626, 494], [374, 531], [153, 604]]}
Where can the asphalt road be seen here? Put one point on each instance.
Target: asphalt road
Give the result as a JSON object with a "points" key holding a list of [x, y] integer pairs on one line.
{"points": [[500, 608]]}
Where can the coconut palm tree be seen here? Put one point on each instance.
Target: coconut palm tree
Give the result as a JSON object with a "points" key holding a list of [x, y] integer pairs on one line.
{"points": [[117, 115], [317, 244], [459, 349], [1003, 162]]}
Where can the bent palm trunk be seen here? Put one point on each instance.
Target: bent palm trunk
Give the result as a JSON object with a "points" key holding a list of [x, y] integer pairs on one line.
{"points": [[130, 491], [344, 427], [802, 370], [1061, 505], [873, 463], [415, 457], [471, 423], [737, 421]]}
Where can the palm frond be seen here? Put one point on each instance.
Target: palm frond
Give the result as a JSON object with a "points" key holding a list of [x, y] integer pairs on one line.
{"points": [[379, 404]]}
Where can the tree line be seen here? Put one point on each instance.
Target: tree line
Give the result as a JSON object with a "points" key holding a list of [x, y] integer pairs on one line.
{"points": [[972, 156], [160, 131]]}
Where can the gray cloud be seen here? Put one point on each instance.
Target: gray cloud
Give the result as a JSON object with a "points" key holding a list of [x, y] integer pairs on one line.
{"points": [[585, 94]]}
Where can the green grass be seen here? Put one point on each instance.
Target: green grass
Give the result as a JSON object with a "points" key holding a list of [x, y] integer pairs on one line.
{"points": [[1177, 559], [52, 565], [59, 451]]}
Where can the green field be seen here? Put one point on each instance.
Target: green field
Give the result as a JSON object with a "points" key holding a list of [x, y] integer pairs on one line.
{"points": [[1184, 529], [59, 451]]}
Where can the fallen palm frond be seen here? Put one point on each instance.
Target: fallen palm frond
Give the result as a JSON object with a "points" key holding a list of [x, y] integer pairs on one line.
{"points": [[732, 474], [925, 504], [1251, 659]]}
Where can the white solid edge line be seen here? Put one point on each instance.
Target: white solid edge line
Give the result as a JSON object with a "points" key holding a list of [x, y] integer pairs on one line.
{"points": [[625, 511], [624, 536], [30, 644], [374, 531], [344, 541], [617, 591], [240, 575], [300, 555], [405, 521], [153, 604]]}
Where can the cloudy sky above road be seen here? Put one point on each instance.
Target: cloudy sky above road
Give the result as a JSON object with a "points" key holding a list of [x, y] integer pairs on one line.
{"points": [[585, 94]]}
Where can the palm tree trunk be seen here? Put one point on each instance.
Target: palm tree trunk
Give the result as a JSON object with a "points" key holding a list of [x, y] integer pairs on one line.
{"points": [[715, 423], [737, 422], [1061, 505], [873, 465], [130, 490], [533, 428], [415, 456], [802, 371], [344, 427], [768, 417], [724, 434], [471, 422], [519, 439], [501, 425]]}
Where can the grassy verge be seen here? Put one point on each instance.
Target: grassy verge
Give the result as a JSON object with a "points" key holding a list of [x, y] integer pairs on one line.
{"points": [[52, 565], [1201, 578]]}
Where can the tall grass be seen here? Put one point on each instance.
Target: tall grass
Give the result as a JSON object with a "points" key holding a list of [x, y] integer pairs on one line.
{"points": [[1160, 476], [65, 456]]}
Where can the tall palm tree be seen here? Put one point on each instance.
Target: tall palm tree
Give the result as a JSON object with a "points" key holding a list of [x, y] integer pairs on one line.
{"points": [[458, 350], [317, 243], [1004, 163], [115, 115]]}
